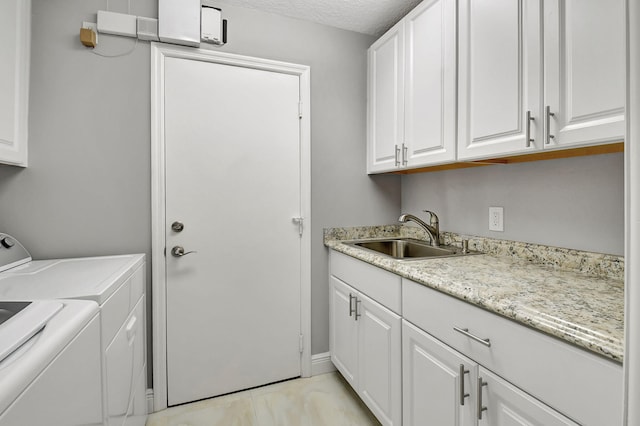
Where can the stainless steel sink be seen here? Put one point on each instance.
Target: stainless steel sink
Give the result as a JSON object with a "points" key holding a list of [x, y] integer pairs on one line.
{"points": [[408, 249]]}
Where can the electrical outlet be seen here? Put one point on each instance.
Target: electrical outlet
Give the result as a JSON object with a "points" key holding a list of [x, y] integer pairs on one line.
{"points": [[496, 219]]}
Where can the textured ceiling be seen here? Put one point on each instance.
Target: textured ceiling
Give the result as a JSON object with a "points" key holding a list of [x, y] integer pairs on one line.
{"points": [[371, 17]]}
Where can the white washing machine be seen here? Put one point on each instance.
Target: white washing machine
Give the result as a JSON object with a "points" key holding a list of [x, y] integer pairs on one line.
{"points": [[117, 285], [50, 363]]}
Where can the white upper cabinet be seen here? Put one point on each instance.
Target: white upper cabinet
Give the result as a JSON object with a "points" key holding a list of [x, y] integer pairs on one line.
{"points": [[430, 84], [14, 80], [539, 75], [385, 109], [412, 90], [500, 78], [584, 64]]}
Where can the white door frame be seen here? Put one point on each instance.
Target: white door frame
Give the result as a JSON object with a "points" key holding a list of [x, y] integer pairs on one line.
{"points": [[632, 219], [158, 260]]}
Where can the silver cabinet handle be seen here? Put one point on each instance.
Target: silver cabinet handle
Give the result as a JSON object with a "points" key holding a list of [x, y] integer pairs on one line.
{"points": [[405, 161], [358, 315], [462, 394], [548, 115], [465, 331], [528, 119], [178, 251], [481, 384], [351, 310], [397, 155]]}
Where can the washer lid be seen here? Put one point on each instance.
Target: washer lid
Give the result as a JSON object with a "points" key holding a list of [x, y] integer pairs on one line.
{"points": [[30, 319], [12, 253]]}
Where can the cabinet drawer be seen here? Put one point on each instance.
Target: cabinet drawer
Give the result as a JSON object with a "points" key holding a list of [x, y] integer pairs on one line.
{"points": [[380, 285], [579, 384], [118, 307]]}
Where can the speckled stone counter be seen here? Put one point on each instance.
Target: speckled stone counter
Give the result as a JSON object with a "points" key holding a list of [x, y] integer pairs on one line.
{"points": [[576, 296]]}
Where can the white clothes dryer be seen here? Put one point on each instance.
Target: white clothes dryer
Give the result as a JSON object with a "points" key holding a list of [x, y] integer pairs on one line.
{"points": [[117, 285]]}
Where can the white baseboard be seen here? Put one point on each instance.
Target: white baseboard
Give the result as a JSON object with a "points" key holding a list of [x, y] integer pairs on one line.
{"points": [[150, 401], [321, 364]]}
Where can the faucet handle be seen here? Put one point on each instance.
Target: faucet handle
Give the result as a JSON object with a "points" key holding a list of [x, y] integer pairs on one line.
{"points": [[433, 218]]}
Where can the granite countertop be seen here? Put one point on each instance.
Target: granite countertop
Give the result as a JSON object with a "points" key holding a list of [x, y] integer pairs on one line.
{"points": [[556, 297]]}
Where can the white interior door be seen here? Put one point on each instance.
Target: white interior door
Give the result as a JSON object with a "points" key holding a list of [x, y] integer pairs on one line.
{"points": [[232, 169]]}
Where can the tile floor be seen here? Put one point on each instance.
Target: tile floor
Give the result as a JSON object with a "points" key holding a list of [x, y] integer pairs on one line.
{"points": [[324, 400]]}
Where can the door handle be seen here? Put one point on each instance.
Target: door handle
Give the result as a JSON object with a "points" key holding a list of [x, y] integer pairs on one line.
{"points": [[178, 251]]}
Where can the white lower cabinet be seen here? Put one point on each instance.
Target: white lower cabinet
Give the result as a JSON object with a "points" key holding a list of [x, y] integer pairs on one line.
{"points": [[419, 357], [436, 381], [365, 348], [505, 405], [344, 331], [443, 387], [379, 360], [528, 378]]}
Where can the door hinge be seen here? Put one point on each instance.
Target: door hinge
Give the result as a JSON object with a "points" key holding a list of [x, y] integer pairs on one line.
{"points": [[301, 343], [300, 222], [300, 110]]}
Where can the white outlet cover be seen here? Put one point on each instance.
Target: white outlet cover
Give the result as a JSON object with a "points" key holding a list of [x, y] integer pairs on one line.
{"points": [[496, 219]]}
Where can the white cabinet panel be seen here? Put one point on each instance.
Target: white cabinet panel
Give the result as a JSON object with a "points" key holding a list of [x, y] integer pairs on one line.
{"points": [[434, 392], [380, 285], [343, 330], [385, 102], [499, 77], [584, 71], [430, 84], [379, 360], [15, 35], [507, 405]]}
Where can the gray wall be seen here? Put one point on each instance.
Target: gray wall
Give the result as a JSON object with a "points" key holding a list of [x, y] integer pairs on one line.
{"points": [[575, 202], [87, 188]]}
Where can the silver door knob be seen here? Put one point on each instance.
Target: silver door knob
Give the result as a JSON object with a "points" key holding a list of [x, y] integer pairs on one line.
{"points": [[177, 226], [178, 251]]}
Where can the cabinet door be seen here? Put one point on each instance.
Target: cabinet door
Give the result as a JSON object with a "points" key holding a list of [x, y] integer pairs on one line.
{"points": [[584, 63], [15, 18], [385, 108], [506, 405], [500, 81], [434, 391], [430, 84], [343, 330], [379, 360]]}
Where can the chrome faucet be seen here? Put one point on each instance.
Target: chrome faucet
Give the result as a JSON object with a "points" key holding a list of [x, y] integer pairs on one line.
{"points": [[433, 230]]}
